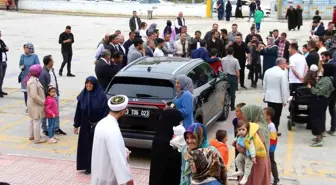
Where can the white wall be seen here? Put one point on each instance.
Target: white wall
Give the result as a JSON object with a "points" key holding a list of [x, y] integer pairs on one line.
{"points": [[120, 8]]}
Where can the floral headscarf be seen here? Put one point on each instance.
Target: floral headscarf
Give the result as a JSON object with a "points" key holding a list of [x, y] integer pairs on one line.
{"points": [[200, 133], [255, 114]]}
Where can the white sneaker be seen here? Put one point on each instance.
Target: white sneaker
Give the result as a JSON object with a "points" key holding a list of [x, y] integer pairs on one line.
{"points": [[56, 137], [238, 173], [52, 141]]}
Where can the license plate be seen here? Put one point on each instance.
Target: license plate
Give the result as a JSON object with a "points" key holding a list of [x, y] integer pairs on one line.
{"points": [[138, 113]]}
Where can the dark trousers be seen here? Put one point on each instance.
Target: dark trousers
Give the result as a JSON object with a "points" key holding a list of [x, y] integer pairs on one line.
{"points": [[67, 57], [3, 67], [332, 112], [220, 14], [228, 16], [277, 107], [274, 167], [232, 79], [242, 72], [255, 71], [298, 27], [16, 4], [317, 113], [25, 95]]}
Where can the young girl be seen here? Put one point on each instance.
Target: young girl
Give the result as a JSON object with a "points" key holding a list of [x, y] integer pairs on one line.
{"points": [[248, 139], [51, 113]]}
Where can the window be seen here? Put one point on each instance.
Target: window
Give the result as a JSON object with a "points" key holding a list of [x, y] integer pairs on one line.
{"points": [[201, 74], [142, 88]]}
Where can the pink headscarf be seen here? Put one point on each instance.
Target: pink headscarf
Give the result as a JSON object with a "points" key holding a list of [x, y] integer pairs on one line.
{"points": [[34, 70]]}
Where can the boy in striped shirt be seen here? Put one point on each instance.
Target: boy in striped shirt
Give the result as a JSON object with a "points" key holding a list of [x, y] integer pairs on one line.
{"points": [[269, 113]]}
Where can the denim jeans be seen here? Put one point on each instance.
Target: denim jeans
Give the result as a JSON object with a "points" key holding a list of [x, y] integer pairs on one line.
{"points": [[51, 127], [57, 122], [251, 14], [258, 26]]}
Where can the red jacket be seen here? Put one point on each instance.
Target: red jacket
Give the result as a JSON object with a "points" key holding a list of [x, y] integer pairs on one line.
{"points": [[51, 107], [334, 17]]}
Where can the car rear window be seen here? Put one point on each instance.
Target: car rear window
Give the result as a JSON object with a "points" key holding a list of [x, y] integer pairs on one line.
{"points": [[142, 87]]}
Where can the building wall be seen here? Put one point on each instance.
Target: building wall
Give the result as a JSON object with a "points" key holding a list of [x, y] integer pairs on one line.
{"points": [[325, 8], [120, 8]]}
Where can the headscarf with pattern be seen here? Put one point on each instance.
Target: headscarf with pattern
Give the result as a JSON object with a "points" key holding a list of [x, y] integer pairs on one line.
{"points": [[255, 114]]}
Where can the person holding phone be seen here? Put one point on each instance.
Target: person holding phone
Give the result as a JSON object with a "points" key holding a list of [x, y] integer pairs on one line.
{"points": [[66, 39]]}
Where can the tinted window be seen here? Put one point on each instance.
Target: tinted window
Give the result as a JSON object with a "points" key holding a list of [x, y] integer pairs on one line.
{"points": [[201, 74], [142, 88]]}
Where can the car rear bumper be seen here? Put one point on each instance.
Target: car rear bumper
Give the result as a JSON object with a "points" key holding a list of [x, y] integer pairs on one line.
{"points": [[138, 140]]}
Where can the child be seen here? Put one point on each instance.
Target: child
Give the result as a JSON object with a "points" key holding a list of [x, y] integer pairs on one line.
{"points": [[239, 116], [178, 140], [269, 113], [248, 139], [220, 144], [311, 76], [216, 66], [51, 113]]}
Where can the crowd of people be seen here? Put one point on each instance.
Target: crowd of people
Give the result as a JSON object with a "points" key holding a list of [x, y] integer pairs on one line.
{"points": [[283, 70]]}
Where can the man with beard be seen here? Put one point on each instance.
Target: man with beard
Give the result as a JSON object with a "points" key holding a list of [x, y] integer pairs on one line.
{"points": [[209, 33], [215, 42], [136, 51], [225, 40], [313, 57], [248, 37], [240, 51], [195, 42]]}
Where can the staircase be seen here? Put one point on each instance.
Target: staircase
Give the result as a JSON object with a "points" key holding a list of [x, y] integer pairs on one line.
{"points": [[3, 5]]}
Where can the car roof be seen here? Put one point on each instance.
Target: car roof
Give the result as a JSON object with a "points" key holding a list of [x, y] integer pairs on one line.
{"points": [[158, 66]]}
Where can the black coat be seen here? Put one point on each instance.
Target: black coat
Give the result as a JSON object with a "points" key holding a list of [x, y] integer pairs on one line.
{"points": [[238, 13], [91, 106], [165, 167], [291, 16], [312, 58], [217, 44], [132, 24], [105, 72], [3, 49], [299, 16]]}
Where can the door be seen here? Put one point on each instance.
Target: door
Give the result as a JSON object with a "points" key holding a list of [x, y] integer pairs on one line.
{"points": [[202, 86]]}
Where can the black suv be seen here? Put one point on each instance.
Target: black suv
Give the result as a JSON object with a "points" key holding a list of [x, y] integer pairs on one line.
{"points": [[148, 82]]}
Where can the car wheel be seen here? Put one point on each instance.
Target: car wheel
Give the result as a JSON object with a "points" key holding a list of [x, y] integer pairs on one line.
{"points": [[226, 107]]}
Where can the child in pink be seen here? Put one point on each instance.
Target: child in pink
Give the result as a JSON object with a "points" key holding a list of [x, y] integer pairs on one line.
{"points": [[51, 113]]}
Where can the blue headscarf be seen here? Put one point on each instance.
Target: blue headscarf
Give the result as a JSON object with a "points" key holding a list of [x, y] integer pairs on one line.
{"points": [[200, 133], [91, 99]]}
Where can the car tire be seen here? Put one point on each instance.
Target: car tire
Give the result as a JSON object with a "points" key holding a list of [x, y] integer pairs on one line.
{"points": [[226, 107]]}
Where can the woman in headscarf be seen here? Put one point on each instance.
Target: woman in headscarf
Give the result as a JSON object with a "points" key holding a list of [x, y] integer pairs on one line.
{"points": [[27, 60], [184, 99], [238, 13], [261, 171], [228, 10], [91, 108], [165, 168], [151, 28], [35, 104], [169, 29], [201, 163], [322, 91]]}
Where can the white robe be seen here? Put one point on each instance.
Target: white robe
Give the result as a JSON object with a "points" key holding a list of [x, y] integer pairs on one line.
{"points": [[109, 155]]}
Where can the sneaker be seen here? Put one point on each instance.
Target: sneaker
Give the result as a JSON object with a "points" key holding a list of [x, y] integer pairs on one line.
{"points": [[317, 144], [52, 141], [70, 75], [56, 137], [332, 133], [45, 133], [60, 132], [40, 141]]}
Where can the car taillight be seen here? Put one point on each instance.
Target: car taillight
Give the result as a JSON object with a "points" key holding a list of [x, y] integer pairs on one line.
{"points": [[158, 105]]}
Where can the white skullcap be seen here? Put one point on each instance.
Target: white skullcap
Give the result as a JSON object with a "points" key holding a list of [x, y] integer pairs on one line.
{"points": [[118, 102], [313, 67]]}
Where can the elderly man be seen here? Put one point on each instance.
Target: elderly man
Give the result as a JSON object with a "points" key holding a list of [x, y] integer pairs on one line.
{"points": [[184, 29], [270, 54], [102, 45], [121, 40], [179, 22], [106, 68], [276, 91], [168, 46], [149, 50]]}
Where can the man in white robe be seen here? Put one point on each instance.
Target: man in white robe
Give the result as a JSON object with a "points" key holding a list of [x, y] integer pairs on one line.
{"points": [[109, 155]]}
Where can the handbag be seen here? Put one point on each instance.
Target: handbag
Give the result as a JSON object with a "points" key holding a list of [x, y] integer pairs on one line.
{"points": [[92, 126]]}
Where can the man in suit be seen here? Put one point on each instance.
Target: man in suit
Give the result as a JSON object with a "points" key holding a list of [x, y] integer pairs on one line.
{"points": [[168, 46], [283, 46], [113, 46], [121, 40], [318, 28], [313, 57], [203, 53], [107, 68], [276, 90], [129, 42], [134, 22], [150, 46], [179, 21]]}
